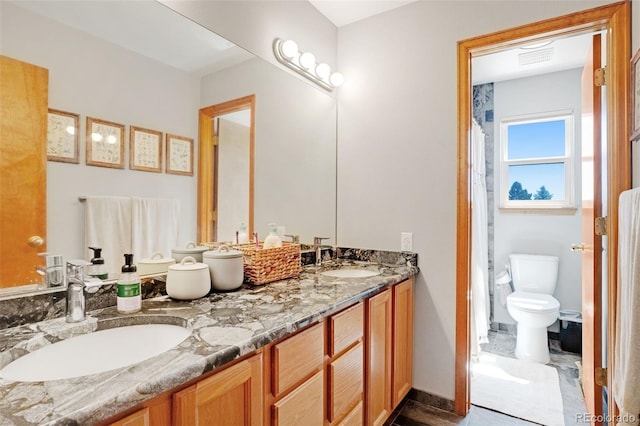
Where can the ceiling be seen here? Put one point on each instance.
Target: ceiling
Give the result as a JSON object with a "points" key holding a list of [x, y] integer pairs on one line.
{"points": [[141, 28], [560, 54]]}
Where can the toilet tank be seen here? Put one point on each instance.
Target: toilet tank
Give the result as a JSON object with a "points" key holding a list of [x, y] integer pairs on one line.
{"points": [[534, 273]]}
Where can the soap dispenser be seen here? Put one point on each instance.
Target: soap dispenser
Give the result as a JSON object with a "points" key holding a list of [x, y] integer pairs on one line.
{"points": [[273, 239], [129, 290], [97, 268], [243, 235]]}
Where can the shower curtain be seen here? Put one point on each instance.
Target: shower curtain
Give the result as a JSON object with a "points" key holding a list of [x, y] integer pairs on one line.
{"points": [[479, 244]]}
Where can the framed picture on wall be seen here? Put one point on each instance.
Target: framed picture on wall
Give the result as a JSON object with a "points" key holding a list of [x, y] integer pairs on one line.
{"points": [[635, 96], [62, 136], [145, 149], [105, 143], [179, 155]]}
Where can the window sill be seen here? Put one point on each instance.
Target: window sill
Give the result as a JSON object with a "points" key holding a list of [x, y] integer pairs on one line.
{"points": [[565, 211]]}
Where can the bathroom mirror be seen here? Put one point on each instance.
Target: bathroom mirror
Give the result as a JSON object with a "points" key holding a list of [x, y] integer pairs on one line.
{"points": [[295, 123]]}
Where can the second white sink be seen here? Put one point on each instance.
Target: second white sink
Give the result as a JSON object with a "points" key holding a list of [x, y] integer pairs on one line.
{"points": [[95, 352], [350, 273]]}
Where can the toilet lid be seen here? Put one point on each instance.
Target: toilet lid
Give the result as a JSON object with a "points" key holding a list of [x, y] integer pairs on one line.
{"points": [[532, 302]]}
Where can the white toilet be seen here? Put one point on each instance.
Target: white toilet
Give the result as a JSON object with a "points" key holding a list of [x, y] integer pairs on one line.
{"points": [[532, 305]]}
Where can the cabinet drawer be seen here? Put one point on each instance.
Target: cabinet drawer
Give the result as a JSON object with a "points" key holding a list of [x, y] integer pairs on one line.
{"points": [[346, 382], [346, 328], [297, 357], [354, 418], [139, 418], [303, 406]]}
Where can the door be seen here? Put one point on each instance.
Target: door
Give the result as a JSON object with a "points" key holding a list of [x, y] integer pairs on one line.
{"points": [[591, 246], [24, 90], [378, 358]]}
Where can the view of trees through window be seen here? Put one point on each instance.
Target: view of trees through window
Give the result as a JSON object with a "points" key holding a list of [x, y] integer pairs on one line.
{"points": [[536, 158]]}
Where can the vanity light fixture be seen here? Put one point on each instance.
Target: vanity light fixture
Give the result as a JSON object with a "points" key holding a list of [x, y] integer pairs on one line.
{"points": [[304, 63]]}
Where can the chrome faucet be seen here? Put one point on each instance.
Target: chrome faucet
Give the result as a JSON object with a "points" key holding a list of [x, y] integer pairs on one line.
{"points": [[52, 270], [76, 286], [317, 246]]}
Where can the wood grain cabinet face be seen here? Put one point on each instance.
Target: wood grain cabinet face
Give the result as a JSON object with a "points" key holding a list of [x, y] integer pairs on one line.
{"points": [[231, 397], [402, 340], [346, 382], [354, 418], [296, 358], [303, 406], [378, 360], [139, 418], [346, 328]]}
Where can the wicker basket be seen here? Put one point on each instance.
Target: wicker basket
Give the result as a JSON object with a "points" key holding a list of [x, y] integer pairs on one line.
{"points": [[263, 266]]}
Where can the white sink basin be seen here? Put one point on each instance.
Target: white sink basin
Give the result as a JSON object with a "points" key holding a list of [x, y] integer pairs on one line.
{"points": [[350, 273], [95, 352]]}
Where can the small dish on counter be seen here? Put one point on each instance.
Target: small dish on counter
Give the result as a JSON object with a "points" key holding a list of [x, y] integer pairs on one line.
{"points": [[190, 249], [226, 267]]}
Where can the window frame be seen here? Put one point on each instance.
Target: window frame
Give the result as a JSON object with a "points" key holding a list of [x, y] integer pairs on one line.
{"points": [[568, 160]]}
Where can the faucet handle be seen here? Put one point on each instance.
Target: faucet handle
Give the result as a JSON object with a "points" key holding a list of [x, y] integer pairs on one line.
{"points": [[75, 268], [294, 238]]}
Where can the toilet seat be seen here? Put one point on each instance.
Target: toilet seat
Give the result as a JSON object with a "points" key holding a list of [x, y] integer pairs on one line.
{"points": [[532, 302]]}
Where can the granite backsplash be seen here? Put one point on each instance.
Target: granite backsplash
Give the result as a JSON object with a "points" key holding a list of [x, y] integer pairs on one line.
{"points": [[34, 307]]}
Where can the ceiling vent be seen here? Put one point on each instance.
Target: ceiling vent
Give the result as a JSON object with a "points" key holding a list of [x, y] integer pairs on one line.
{"points": [[535, 57]]}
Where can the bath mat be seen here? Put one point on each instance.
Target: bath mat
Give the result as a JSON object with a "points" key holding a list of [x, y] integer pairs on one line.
{"points": [[518, 388]]}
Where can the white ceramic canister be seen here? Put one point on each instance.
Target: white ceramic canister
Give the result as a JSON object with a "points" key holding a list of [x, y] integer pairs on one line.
{"points": [[226, 267], [188, 280], [156, 264], [190, 249]]}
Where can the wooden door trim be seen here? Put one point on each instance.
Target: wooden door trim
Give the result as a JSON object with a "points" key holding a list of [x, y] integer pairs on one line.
{"points": [[205, 161], [615, 18]]}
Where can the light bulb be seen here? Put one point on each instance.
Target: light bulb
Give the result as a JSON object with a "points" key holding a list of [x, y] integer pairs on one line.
{"points": [[111, 139], [336, 79], [307, 60], [323, 70], [96, 137], [71, 130], [289, 48]]}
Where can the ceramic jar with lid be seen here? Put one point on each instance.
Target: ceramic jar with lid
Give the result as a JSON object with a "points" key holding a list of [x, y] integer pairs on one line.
{"points": [[188, 280], [190, 249], [226, 267], [156, 264]]}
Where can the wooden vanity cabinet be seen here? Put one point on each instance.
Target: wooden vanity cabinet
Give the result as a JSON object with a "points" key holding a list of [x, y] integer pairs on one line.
{"points": [[294, 379], [345, 367], [388, 350], [231, 397]]}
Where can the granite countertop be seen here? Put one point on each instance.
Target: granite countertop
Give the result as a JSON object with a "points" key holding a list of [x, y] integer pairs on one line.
{"points": [[224, 326]]}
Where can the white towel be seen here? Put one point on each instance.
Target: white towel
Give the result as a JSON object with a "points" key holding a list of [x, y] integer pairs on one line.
{"points": [[627, 345], [108, 226], [155, 223]]}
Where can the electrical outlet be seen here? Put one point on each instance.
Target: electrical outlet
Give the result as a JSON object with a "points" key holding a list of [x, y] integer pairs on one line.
{"points": [[406, 241]]}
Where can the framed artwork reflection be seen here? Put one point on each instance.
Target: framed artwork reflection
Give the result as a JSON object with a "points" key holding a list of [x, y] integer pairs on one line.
{"points": [[145, 149], [179, 155], [635, 96], [105, 143], [62, 136]]}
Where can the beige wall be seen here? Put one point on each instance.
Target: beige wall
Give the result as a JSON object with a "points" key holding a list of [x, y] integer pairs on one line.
{"points": [[397, 124]]}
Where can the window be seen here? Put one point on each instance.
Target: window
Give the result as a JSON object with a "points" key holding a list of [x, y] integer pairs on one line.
{"points": [[536, 161]]}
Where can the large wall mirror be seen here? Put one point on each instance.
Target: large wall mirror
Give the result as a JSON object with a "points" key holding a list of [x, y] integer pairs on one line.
{"points": [[113, 78]]}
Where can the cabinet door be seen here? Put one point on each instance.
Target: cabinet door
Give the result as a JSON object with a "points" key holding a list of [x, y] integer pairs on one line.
{"points": [[346, 385], [378, 358], [303, 406], [402, 340], [230, 397], [354, 418]]}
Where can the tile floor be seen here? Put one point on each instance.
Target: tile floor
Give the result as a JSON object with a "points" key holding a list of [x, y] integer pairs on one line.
{"points": [[412, 412]]}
